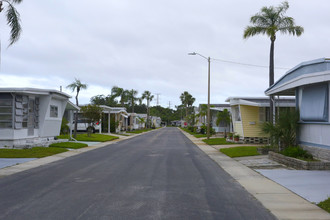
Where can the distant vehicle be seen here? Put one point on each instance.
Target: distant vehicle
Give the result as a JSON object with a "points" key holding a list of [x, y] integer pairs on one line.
{"points": [[83, 125]]}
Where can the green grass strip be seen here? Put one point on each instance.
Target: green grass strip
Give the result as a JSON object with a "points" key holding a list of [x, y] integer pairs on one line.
{"points": [[72, 145], [217, 141], [325, 205], [35, 152], [139, 131], [200, 135], [240, 151], [93, 137]]}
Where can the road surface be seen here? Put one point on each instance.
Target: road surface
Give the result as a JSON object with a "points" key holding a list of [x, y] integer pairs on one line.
{"points": [[158, 175]]}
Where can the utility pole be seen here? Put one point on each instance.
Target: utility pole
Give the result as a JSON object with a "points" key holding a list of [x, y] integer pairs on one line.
{"points": [[169, 104], [157, 94]]}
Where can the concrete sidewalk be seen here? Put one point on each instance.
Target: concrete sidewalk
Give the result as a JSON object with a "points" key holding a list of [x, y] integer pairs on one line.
{"points": [[280, 201]]}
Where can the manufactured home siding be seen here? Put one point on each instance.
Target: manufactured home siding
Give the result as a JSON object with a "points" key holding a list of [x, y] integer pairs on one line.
{"points": [[238, 128], [250, 121]]}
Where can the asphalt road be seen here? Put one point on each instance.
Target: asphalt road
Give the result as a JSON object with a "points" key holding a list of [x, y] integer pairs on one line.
{"points": [[159, 175]]}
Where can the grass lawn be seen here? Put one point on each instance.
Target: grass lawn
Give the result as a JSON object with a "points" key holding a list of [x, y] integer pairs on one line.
{"points": [[196, 135], [139, 131], [240, 151], [200, 135], [35, 152], [72, 145], [325, 205], [216, 141], [93, 137]]}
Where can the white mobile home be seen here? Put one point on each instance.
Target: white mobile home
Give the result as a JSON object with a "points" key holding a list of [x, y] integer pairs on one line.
{"points": [[30, 116], [309, 83]]}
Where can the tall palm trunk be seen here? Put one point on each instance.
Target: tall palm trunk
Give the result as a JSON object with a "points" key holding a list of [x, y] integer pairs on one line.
{"points": [[271, 79], [148, 113], [76, 117]]}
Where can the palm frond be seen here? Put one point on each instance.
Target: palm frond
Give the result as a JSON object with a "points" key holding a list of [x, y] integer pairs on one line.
{"points": [[260, 20], [17, 1], [13, 20], [250, 31]]}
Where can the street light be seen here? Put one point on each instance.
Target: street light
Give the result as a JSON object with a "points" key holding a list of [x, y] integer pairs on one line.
{"points": [[208, 91]]}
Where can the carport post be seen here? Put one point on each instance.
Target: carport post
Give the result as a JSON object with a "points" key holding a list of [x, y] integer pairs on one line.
{"points": [[100, 130], [109, 122]]}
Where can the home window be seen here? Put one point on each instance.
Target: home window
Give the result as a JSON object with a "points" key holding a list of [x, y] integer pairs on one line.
{"points": [[314, 103], [53, 111], [6, 110]]}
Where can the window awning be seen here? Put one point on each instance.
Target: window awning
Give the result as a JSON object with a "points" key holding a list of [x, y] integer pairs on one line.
{"points": [[125, 116]]}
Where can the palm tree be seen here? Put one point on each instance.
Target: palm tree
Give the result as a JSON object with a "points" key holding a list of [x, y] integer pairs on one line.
{"points": [[131, 95], [187, 100], [269, 21], [13, 19], [76, 85], [224, 117], [202, 111], [120, 92], [147, 95]]}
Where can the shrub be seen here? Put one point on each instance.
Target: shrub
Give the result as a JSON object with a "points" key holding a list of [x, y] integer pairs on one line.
{"points": [[64, 126], [203, 129], [283, 132], [297, 152], [190, 128]]}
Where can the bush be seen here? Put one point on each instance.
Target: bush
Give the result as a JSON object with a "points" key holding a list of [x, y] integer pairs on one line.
{"points": [[283, 132], [190, 128], [203, 129], [297, 152], [64, 126]]}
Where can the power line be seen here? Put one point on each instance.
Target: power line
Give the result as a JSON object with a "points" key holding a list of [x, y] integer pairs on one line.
{"points": [[246, 64]]}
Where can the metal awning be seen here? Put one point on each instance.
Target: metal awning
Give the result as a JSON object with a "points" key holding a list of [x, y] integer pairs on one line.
{"points": [[125, 116]]}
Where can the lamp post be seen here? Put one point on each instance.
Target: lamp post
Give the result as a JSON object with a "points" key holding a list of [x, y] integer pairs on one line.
{"points": [[208, 91]]}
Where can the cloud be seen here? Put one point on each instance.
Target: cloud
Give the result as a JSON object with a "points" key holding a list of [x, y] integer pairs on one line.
{"points": [[143, 45]]}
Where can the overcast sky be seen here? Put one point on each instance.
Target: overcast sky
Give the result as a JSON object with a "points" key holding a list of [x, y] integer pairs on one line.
{"points": [[143, 45]]}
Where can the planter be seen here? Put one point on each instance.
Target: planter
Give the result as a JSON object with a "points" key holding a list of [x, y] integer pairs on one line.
{"points": [[298, 164]]}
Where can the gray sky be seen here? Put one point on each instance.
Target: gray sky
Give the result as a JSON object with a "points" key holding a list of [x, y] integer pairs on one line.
{"points": [[143, 45]]}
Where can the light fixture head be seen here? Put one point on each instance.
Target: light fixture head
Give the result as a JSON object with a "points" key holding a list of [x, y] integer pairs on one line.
{"points": [[193, 53]]}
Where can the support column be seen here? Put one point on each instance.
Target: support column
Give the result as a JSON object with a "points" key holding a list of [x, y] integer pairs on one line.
{"points": [[109, 123], [70, 122]]}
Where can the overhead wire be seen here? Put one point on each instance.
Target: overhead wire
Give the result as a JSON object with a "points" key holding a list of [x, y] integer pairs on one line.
{"points": [[247, 64]]}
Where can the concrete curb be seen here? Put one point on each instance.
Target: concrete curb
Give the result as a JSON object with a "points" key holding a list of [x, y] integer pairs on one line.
{"points": [[280, 201], [6, 171]]}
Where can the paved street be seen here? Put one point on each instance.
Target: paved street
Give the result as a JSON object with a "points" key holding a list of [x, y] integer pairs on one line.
{"points": [[159, 175]]}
